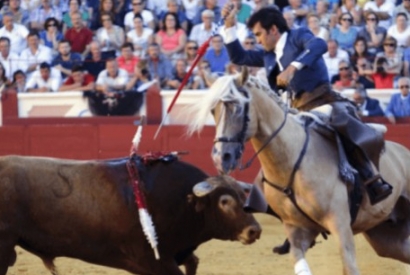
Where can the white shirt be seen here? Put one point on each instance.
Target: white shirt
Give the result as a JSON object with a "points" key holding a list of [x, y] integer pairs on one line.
{"points": [[27, 58], [147, 17], [17, 36], [36, 81], [120, 79], [401, 37], [385, 7], [199, 34], [191, 7], [332, 63], [10, 64]]}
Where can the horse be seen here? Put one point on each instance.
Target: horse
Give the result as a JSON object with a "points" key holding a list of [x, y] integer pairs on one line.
{"points": [[304, 189]]}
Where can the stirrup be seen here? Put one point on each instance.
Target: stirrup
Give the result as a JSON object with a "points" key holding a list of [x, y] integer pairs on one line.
{"points": [[373, 179]]}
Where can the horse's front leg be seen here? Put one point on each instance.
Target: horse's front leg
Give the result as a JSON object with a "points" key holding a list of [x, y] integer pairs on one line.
{"points": [[300, 240]]}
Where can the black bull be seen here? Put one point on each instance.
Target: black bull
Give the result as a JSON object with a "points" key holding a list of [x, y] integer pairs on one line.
{"points": [[86, 210]]}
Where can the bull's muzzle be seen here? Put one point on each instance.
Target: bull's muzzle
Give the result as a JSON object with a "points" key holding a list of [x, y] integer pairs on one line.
{"points": [[250, 234]]}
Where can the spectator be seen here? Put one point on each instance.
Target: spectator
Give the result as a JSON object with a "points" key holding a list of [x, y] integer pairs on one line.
{"points": [[217, 55], [366, 106], [344, 79], [173, 7], [8, 59], [39, 15], [314, 26], [406, 62], [362, 79], [191, 8], [345, 35], [393, 56], [312, 4], [171, 38], [107, 6], [244, 11], [178, 74], [20, 16], [290, 20], [383, 9], [30, 5], [204, 78], [210, 5], [159, 67], [404, 7], [15, 32], [400, 31], [373, 33], [78, 81], [399, 104], [79, 36], [351, 7], [110, 36], [35, 54], [127, 61], [146, 16], [51, 35], [250, 44], [4, 82], [333, 57], [140, 76], [326, 19], [19, 81], [191, 51], [383, 77], [360, 50], [74, 7], [140, 37], [112, 80], [65, 60], [44, 80], [258, 4], [201, 32], [95, 61], [299, 10]]}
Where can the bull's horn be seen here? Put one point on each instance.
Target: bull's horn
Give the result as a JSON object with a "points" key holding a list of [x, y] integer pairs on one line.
{"points": [[202, 189], [245, 186]]}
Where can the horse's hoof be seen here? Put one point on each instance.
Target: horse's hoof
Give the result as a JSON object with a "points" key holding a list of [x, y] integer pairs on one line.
{"points": [[282, 249]]}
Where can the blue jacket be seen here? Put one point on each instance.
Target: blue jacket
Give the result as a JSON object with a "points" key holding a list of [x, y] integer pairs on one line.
{"points": [[398, 107], [373, 107], [301, 46]]}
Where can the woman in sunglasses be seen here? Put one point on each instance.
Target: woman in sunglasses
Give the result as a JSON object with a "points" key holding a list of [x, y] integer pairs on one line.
{"points": [[345, 34], [373, 33], [392, 55], [51, 34], [351, 6]]}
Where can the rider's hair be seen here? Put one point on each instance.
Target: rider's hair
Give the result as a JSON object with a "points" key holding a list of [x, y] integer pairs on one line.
{"points": [[268, 17]]}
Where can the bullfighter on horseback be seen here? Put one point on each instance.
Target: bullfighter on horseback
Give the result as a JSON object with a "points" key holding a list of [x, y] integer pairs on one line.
{"points": [[293, 58]]}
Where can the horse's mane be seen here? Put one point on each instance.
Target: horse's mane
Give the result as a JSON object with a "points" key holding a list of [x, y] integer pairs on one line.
{"points": [[224, 89]]}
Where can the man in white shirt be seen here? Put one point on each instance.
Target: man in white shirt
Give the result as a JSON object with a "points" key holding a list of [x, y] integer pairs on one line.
{"points": [[201, 32], [8, 58], [15, 32], [44, 80], [333, 56], [35, 54], [112, 79], [147, 16]]}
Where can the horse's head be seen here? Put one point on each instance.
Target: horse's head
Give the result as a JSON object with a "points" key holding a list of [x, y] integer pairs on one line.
{"points": [[229, 101]]}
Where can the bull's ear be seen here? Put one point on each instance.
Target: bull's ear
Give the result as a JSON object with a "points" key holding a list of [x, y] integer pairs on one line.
{"points": [[246, 187], [202, 189], [244, 75]]}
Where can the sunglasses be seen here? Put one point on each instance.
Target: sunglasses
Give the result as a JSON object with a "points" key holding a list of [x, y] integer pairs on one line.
{"points": [[347, 19], [51, 25], [192, 48], [343, 68], [404, 87], [250, 43], [372, 18], [390, 44]]}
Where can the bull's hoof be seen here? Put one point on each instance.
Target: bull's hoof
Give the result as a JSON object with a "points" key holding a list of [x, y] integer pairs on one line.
{"points": [[282, 249]]}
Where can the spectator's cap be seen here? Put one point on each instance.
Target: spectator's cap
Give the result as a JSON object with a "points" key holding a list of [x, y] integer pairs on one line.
{"points": [[45, 65], [77, 68]]}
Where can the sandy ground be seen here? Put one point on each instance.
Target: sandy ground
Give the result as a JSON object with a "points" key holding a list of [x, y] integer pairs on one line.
{"points": [[232, 258]]}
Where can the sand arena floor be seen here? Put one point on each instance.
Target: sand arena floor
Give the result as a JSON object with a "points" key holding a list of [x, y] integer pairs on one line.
{"points": [[232, 258]]}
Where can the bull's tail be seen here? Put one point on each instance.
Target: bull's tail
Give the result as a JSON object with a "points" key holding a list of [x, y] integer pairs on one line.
{"points": [[49, 263]]}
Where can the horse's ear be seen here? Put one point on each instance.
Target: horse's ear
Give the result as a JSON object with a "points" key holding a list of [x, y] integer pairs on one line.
{"points": [[244, 75]]}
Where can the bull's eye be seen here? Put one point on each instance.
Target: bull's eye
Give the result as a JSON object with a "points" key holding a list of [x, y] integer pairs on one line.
{"points": [[224, 202]]}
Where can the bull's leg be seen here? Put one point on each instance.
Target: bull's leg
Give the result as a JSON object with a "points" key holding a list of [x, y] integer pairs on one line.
{"points": [[339, 226], [7, 255], [300, 240], [391, 240], [168, 267], [49, 263], [191, 264]]}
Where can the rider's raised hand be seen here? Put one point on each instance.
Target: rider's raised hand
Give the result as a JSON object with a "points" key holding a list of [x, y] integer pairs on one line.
{"points": [[229, 14]]}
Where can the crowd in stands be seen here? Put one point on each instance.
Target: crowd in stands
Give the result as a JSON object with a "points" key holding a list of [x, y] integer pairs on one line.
{"points": [[117, 45]]}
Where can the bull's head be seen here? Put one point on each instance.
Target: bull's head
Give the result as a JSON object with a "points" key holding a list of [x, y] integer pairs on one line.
{"points": [[222, 198]]}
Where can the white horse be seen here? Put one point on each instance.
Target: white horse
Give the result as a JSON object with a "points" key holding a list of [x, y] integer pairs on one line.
{"points": [[244, 108]]}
